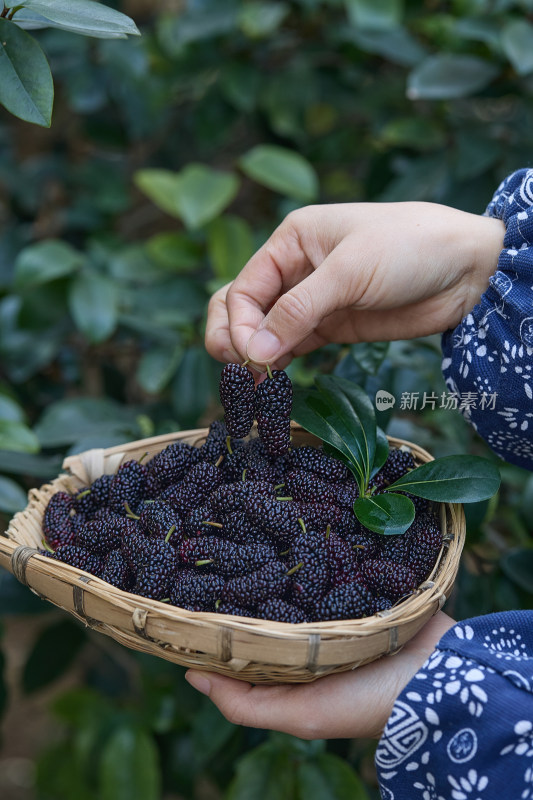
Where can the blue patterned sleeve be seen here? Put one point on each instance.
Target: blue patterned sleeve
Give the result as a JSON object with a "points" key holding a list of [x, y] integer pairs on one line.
{"points": [[488, 357], [462, 729]]}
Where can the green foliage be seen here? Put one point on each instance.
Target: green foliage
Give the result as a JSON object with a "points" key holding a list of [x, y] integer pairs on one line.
{"points": [[171, 158], [26, 85]]}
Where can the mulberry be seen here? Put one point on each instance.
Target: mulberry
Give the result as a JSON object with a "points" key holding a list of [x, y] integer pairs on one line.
{"points": [[79, 558], [273, 405], [226, 557], [57, 521], [196, 592], [215, 443], [156, 568], [425, 543], [237, 389], [349, 601], [270, 580], [116, 571], [159, 521], [311, 459], [169, 466], [280, 611], [98, 537], [388, 578], [127, 487]]}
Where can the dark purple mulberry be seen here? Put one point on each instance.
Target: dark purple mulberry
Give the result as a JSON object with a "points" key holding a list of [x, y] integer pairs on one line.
{"points": [[237, 389], [349, 601], [127, 487], [312, 459], [57, 521], [280, 611], [224, 556], [269, 581], [425, 542], [169, 466], [397, 464], [116, 571], [201, 521], [215, 443], [234, 610], [273, 405], [157, 567], [159, 521], [310, 581], [388, 578], [80, 558], [235, 496], [309, 488], [196, 592], [199, 482], [99, 537], [95, 496]]}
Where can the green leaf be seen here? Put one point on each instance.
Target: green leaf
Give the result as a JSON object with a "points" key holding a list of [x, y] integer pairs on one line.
{"points": [[17, 436], [175, 252], [192, 387], [282, 170], [377, 15], [26, 85], [161, 186], [129, 768], [452, 479], [354, 410], [45, 261], [12, 497], [67, 421], [203, 193], [446, 76], [328, 777], [17, 463], [517, 37], [93, 305], [386, 513], [382, 451], [79, 16], [266, 773], [210, 732], [157, 367], [10, 410], [230, 245], [260, 18], [518, 566], [369, 355], [52, 654]]}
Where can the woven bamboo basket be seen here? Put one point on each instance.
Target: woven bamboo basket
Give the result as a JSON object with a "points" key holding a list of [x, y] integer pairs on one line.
{"points": [[254, 650]]}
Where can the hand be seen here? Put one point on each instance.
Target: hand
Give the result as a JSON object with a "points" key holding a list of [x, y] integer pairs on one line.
{"points": [[354, 272], [355, 704]]}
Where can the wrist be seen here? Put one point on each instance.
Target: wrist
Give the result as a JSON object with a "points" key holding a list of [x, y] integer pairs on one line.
{"points": [[485, 244]]}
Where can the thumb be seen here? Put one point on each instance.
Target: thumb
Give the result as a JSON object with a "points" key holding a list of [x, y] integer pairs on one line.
{"points": [[295, 315]]}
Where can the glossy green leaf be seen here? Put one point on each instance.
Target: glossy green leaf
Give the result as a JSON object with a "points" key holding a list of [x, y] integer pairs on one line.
{"points": [[17, 463], [10, 410], [203, 193], [161, 186], [376, 15], [517, 38], [369, 355], [386, 513], [328, 777], [45, 261], [518, 566], [79, 16], [452, 479], [382, 451], [157, 367], [230, 244], [259, 19], [17, 436], [282, 170], [68, 420], [12, 497], [352, 416], [129, 768], [93, 304], [26, 86], [448, 76], [265, 773], [174, 251], [53, 652]]}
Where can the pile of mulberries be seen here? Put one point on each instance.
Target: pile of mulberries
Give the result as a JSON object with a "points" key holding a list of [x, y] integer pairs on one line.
{"points": [[249, 528]]}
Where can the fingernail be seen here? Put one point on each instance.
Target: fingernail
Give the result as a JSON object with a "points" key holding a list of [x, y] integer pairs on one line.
{"points": [[263, 346], [231, 357], [198, 681]]}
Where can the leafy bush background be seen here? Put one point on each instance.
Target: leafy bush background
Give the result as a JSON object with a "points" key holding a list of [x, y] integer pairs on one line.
{"points": [[160, 175]]}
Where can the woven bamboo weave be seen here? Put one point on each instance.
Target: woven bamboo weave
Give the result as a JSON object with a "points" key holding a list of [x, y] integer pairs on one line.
{"points": [[254, 650]]}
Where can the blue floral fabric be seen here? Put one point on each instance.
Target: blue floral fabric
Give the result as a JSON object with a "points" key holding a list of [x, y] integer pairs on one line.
{"points": [[488, 357], [462, 729]]}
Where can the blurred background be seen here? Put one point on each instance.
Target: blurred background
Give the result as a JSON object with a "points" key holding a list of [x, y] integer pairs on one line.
{"points": [[170, 159]]}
